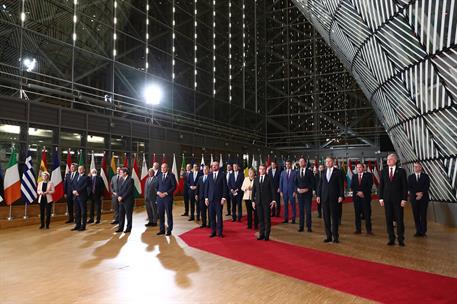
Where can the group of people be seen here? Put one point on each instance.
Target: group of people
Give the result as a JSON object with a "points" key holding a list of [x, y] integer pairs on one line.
{"points": [[207, 191]]}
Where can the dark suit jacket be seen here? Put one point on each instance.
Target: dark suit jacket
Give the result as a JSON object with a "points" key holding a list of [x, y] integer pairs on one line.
{"points": [[365, 185], [395, 190], [150, 188], [192, 182], [167, 185], [68, 183], [201, 187], [317, 180], [215, 190], [307, 181], [287, 184], [275, 178], [81, 184], [422, 186], [263, 193], [329, 191], [236, 184], [99, 185], [126, 191]]}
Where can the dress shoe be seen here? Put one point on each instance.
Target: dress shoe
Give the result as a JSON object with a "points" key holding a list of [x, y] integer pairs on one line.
{"points": [[47, 227], [310, 230], [114, 222], [228, 214], [233, 220], [336, 241], [249, 227], [293, 221], [154, 225], [220, 236], [417, 234], [212, 235], [319, 216], [267, 238], [185, 214], [301, 230], [90, 221], [127, 230], [191, 219], [202, 226], [357, 232], [160, 233], [68, 222], [285, 222], [97, 222], [260, 238], [239, 221], [327, 240], [148, 225], [118, 231], [82, 229], [75, 228], [401, 243], [391, 243], [41, 227], [198, 219], [168, 233]]}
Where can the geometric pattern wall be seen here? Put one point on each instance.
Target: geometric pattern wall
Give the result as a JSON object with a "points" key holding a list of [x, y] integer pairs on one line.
{"points": [[403, 54]]}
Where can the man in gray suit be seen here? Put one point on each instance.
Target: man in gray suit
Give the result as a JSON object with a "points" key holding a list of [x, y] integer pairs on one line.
{"points": [[150, 195], [115, 184]]}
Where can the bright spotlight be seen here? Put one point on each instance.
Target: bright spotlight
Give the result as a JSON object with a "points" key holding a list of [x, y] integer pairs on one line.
{"points": [[29, 64], [152, 94]]}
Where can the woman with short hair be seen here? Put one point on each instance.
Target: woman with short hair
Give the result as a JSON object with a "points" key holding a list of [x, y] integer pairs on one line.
{"points": [[45, 190]]}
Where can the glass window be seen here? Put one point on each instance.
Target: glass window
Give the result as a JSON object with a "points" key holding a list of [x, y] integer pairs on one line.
{"points": [[9, 134]]}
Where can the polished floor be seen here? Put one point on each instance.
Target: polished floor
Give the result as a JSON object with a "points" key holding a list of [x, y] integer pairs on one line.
{"points": [[99, 266]]}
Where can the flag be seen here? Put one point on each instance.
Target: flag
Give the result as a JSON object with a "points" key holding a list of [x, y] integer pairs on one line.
{"points": [[202, 163], [268, 164], [192, 160], [144, 173], [164, 159], [154, 160], [92, 161], [212, 159], [12, 183], [43, 164], [369, 167], [136, 179], [182, 176], [254, 163], [126, 161], [28, 181], [104, 177], [349, 172], [246, 167], [68, 165], [376, 177], [81, 161], [112, 168], [56, 176], [1, 183], [221, 163], [174, 170]]}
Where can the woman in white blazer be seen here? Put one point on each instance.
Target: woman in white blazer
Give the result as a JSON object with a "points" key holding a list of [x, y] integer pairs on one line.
{"points": [[247, 197], [45, 190]]}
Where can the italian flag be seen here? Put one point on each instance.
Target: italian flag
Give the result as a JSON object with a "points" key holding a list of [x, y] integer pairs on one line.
{"points": [[12, 182], [136, 179], [104, 177], [144, 173], [174, 170]]}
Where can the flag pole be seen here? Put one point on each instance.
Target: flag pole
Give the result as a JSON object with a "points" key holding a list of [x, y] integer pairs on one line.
{"points": [[25, 211], [10, 217], [53, 209]]}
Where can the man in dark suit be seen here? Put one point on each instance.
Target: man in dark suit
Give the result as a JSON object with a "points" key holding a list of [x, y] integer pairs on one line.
{"points": [[317, 179], [126, 199], [115, 183], [235, 182], [229, 198], [361, 185], [200, 196], [263, 192], [68, 190], [150, 195], [80, 195], [186, 190], [165, 190], [215, 197], [330, 195], [192, 180], [275, 176], [304, 183], [95, 195], [287, 188], [418, 186], [393, 193]]}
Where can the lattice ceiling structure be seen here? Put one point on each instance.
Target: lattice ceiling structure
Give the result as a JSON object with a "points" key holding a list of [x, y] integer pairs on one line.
{"points": [[403, 55]]}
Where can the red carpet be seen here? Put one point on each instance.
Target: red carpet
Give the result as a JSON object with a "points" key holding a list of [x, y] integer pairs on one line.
{"points": [[370, 280]]}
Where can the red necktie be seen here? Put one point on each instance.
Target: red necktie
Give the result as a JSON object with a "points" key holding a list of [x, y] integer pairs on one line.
{"points": [[360, 179], [391, 175]]}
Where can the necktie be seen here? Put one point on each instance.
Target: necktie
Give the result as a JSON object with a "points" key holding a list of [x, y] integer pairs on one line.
{"points": [[288, 173], [302, 172], [93, 184], [391, 175], [329, 174], [214, 176], [163, 177], [72, 175], [261, 179], [236, 175], [360, 179], [417, 177], [204, 179]]}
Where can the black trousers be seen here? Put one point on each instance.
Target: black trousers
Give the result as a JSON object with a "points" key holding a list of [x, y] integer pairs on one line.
{"points": [[45, 212], [251, 211], [264, 212], [70, 207], [125, 210], [204, 212], [80, 212], [304, 206], [115, 205], [215, 217], [237, 204], [276, 210], [362, 206], [394, 211], [319, 210], [165, 208], [186, 200], [95, 206], [420, 215], [340, 213], [193, 205], [331, 214], [229, 204]]}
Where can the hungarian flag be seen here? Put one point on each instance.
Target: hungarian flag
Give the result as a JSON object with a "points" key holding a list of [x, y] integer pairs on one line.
{"points": [[12, 183], [104, 177], [376, 177], [112, 168], [126, 161], [136, 179], [174, 170], [144, 173], [56, 176], [68, 166], [153, 159], [43, 165], [268, 163]]}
